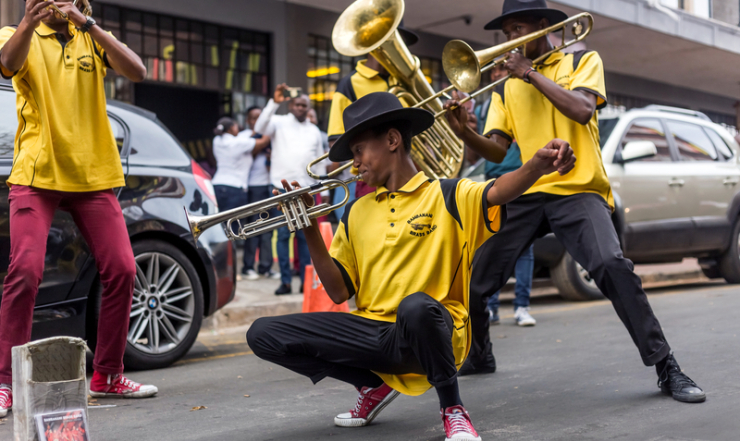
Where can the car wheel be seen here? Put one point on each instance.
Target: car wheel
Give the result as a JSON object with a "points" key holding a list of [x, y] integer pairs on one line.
{"points": [[729, 262], [573, 281]]}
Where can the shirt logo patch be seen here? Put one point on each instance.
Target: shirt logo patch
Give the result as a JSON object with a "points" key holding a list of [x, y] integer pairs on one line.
{"points": [[421, 224], [86, 63], [564, 81]]}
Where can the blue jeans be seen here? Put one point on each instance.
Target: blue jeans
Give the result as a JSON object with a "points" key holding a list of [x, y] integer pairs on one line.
{"points": [[264, 241], [523, 273], [230, 197], [283, 250], [339, 195]]}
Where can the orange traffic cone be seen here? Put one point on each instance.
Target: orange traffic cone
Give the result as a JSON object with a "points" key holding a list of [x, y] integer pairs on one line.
{"points": [[315, 298]]}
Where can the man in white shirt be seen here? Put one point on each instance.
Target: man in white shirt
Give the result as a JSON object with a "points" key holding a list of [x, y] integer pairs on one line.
{"points": [[295, 143], [258, 189]]}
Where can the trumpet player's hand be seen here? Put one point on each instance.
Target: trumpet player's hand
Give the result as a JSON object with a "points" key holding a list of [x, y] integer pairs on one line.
{"points": [[457, 116], [307, 198], [278, 96], [36, 12], [557, 155], [74, 14], [517, 64]]}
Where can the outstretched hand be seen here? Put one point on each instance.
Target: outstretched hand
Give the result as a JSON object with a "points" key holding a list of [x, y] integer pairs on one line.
{"points": [[557, 155], [278, 96]]}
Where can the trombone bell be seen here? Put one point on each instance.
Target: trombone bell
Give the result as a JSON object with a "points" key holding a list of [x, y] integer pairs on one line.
{"points": [[461, 65]]}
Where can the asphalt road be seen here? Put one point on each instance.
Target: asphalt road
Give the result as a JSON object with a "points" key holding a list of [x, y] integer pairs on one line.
{"points": [[575, 376]]}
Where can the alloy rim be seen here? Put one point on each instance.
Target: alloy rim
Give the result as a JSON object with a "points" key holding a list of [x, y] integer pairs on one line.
{"points": [[163, 304], [585, 276]]}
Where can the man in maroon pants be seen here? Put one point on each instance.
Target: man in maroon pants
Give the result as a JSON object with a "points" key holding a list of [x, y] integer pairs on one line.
{"points": [[66, 158]]}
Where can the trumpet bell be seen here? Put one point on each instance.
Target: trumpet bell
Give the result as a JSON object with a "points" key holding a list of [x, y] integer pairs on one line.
{"points": [[364, 26], [461, 65]]}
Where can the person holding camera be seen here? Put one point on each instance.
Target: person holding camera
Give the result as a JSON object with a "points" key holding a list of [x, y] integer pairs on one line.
{"points": [[295, 143]]}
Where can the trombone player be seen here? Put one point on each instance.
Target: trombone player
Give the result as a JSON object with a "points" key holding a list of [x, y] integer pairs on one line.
{"points": [[558, 98]]}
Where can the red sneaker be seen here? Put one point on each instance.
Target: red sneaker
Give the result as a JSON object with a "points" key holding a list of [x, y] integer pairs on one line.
{"points": [[458, 426], [369, 404], [6, 400], [119, 386]]}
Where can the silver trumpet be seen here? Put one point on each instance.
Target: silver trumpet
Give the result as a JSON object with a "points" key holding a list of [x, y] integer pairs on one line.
{"points": [[295, 214]]}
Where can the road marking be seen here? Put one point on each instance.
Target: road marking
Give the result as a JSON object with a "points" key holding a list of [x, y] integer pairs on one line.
{"points": [[213, 357], [594, 303]]}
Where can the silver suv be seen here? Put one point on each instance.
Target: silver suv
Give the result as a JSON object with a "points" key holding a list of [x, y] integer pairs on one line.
{"points": [[676, 181]]}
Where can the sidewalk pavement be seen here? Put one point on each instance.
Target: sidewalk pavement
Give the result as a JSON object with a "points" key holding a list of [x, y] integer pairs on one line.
{"points": [[256, 298]]}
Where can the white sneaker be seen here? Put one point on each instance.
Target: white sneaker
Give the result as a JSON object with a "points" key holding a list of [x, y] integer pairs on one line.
{"points": [[522, 317], [251, 275], [273, 276]]}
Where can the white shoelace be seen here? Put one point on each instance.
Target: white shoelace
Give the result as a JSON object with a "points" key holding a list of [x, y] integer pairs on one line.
{"points": [[4, 396], [358, 405], [458, 423], [128, 383]]}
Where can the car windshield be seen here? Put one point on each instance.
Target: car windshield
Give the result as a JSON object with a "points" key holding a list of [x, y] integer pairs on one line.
{"points": [[605, 129]]}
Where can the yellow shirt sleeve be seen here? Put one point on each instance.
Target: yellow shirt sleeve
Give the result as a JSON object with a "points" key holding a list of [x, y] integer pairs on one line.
{"points": [[5, 34], [339, 102], [343, 254], [589, 76], [478, 219], [497, 120]]}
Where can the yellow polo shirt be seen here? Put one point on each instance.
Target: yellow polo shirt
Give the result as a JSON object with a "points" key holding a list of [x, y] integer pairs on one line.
{"points": [[521, 112], [64, 140], [354, 86], [421, 238]]}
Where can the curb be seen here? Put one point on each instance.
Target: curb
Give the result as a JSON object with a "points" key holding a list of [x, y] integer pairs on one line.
{"points": [[233, 317]]}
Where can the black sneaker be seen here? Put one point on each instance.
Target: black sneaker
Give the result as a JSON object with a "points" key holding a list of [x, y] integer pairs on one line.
{"points": [[471, 367], [672, 381], [283, 289]]}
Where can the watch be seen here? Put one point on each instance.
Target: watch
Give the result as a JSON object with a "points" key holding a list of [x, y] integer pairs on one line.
{"points": [[88, 24]]}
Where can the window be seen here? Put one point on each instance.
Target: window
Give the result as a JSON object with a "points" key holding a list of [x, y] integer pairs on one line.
{"points": [[118, 133], [649, 130], [701, 8], [8, 123], [189, 53], [719, 143], [692, 142]]}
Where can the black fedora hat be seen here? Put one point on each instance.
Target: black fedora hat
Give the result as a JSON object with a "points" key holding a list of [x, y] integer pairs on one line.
{"points": [[372, 110], [409, 37], [535, 8]]}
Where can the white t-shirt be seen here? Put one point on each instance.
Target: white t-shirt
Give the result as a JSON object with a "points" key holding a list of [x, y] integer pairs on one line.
{"points": [[233, 159], [294, 145], [259, 175]]}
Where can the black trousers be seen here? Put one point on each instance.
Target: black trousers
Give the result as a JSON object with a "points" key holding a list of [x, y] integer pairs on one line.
{"points": [[583, 224], [345, 346]]}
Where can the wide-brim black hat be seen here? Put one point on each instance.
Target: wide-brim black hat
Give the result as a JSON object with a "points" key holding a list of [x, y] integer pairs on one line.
{"points": [[534, 8], [409, 37], [371, 111]]}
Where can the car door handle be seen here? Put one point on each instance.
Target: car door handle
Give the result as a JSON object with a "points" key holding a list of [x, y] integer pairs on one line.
{"points": [[730, 181], [676, 182]]}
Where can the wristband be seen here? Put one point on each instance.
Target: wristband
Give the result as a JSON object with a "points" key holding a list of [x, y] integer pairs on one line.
{"points": [[88, 24], [525, 77]]}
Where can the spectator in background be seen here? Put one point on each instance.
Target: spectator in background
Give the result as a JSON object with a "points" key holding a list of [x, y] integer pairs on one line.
{"points": [[258, 189], [234, 161], [324, 196], [295, 143]]}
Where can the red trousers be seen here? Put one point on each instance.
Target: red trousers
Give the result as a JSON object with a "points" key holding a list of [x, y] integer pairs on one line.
{"points": [[98, 217]]}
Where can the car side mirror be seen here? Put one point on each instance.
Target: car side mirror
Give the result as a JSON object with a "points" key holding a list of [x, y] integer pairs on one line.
{"points": [[635, 150]]}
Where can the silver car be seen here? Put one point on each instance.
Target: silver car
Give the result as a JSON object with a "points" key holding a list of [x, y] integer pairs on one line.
{"points": [[676, 181]]}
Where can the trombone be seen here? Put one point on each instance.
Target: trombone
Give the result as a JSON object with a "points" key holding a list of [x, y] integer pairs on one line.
{"points": [[296, 214], [462, 64]]}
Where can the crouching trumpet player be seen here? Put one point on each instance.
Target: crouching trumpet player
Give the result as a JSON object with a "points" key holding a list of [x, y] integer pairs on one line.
{"points": [[66, 158], [410, 331]]}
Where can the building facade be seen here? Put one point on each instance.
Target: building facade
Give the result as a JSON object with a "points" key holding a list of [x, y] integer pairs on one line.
{"points": [[209, 59]]}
